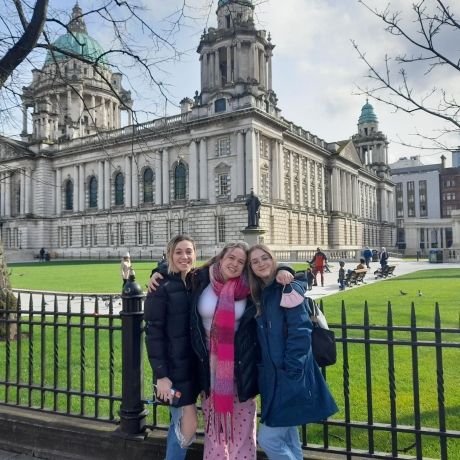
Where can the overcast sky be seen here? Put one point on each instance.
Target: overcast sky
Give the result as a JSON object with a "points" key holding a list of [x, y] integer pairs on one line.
{"points": [[316, 70]]}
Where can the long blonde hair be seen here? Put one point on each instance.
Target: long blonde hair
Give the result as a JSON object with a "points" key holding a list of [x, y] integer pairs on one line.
{"points": [[255, 283], [172, 246]]}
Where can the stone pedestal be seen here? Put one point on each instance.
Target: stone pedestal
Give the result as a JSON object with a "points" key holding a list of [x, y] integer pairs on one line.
{"points": [[252, 235]]}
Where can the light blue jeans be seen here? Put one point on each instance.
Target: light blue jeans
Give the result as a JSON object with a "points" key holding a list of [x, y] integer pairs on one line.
{"points": [[173, 449], [280, 443]]}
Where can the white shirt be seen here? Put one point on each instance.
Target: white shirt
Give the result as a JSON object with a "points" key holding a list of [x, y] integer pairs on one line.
{"points": [[207, 306]]}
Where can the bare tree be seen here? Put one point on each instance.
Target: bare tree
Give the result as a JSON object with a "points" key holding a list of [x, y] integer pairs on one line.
{"points": [[138, 40], [429, 37]]}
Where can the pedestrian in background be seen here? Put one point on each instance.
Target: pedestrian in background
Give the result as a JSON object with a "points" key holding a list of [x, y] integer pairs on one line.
{"points": [[319, 261], [367, 254], [125, 267], [341, 279]]}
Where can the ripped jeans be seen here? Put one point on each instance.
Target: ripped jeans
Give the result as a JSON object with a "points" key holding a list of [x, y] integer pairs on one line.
{"points": [[176, 447]]}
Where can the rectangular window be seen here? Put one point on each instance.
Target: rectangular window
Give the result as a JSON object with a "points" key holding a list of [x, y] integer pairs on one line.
{"points": [[290, 231], [223, 181], [422, 198], [220, 229], [272, 229], [93, 235], [181, 226], [411, 199], [139, 232], [150, 232], [223, 146], [168, 230], [264, 185], [399, 200]]}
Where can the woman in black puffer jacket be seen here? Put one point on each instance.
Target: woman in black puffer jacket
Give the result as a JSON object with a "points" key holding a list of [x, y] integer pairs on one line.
{"points": [[167, 316]]}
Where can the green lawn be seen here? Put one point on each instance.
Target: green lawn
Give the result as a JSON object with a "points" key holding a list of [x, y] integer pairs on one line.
{"points": [[440, 286]]}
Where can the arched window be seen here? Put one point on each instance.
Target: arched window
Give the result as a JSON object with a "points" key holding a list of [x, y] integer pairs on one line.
{"points": [[69, 195], [93, 192], [119, 189], [148, 186], [179, 182]]}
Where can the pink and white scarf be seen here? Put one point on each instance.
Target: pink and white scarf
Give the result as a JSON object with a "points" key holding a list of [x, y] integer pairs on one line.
{"points": [[222, 350]]}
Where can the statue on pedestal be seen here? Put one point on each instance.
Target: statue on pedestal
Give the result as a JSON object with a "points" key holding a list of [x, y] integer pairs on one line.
{"points": [[253, 205]]}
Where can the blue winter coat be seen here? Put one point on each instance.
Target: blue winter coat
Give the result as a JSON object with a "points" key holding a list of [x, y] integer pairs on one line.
{"points": [[292, 388]]}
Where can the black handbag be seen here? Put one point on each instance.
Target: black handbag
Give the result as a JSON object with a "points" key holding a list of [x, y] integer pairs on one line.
{"points": [[322, 340]]}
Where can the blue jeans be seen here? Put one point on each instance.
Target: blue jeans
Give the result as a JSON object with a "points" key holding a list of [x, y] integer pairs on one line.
{"points": [[173, 449], [280, 443]]}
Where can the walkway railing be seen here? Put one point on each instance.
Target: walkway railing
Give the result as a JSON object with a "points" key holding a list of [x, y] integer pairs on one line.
{"points": [[395, 385]]}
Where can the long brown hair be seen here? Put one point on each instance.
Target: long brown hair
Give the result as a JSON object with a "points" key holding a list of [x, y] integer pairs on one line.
{"points": [[228, 247], [172, 246], [255, 283]]}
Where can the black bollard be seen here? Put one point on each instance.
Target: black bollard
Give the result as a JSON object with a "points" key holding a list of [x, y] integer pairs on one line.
{"points": [[132, 412]]}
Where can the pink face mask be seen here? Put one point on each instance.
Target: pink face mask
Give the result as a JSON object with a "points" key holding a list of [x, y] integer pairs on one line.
{"points": [[291, 299]]}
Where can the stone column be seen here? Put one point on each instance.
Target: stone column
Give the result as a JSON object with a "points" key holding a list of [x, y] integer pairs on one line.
{"points": [[103, 113], [58, 192], [211, 77], [281, 170], [203, 71], [193, 170], [134, 181], [309, 184], [229, 64], [158, 178], [323, 187], [24, 119], [203, 170], [165, 174], [2, 194], [237, 75], [275, 169], [216, 69], [81, 188], [76, 189], [107, 186], [240, 162], [27, 208], [291, 176], [100, 185], [8, 194], [128, 202], [349, 194], [256, 62], [262, 68], [300, 182], [22, 193], [249, 161], [270, 72]]}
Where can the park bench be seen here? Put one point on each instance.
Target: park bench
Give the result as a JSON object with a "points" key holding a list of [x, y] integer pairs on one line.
{"points": [[355, 277], [386, 271]]}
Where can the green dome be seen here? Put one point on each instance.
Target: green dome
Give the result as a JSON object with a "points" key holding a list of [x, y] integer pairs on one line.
{"points": [[78, 43], [367, 114]]}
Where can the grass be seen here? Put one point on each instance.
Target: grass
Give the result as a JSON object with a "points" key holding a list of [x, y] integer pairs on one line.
{"points": [[81, 277], [436, 285]]}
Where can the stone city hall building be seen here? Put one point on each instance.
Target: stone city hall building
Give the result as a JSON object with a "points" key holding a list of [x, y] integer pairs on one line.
{"points": [[80, 183]]}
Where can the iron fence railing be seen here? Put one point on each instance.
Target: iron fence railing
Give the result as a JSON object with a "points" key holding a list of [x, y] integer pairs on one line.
{"points": [[63, 354]]}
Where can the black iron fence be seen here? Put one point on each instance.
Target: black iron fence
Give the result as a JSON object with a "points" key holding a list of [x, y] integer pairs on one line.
{"points": [[396, 386]]}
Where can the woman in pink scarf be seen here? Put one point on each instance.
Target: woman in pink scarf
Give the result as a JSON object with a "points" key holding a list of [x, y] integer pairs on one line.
{"points": [[224, 337]]}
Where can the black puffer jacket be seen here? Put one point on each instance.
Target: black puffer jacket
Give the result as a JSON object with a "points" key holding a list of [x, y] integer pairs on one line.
{"points": [[246, 345], [167, 336]]}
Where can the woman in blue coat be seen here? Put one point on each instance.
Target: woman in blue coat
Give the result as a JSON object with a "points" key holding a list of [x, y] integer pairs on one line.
{"points": [[293, 391]]}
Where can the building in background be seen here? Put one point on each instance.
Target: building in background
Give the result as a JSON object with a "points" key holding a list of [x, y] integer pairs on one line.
{"points": [[426, 196], [80, 183]]}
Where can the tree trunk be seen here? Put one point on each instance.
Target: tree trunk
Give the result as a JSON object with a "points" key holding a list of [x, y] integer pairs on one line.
{"points": [[21, 49], [7, 300]]}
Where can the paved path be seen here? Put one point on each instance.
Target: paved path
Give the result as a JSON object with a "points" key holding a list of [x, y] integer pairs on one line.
{"points": [[402, 268]]}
